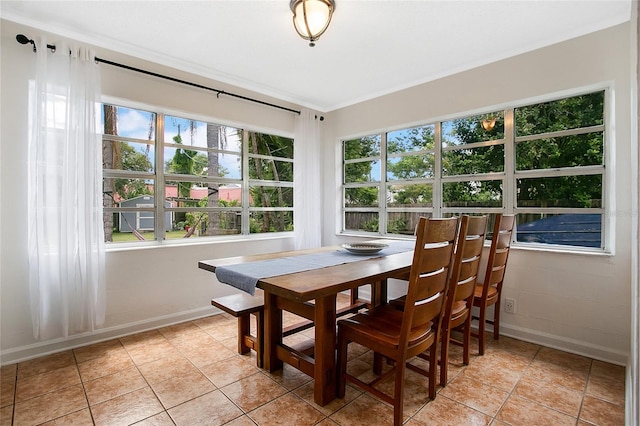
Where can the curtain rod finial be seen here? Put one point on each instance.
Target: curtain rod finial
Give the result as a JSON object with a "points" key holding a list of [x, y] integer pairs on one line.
{"points": [[23, 39]]}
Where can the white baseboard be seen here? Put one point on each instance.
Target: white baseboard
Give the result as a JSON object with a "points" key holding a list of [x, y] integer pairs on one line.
{"points": [[578, 347], [39, 349]]}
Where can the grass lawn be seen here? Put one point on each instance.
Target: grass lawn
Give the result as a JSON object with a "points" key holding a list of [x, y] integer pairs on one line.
{"points": [[121, 237]]}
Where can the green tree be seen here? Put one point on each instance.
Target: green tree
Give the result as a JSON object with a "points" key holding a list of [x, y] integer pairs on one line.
{"points": [[469, 161], [182, 163], [361, 171], [271, 170], [563, 151], [407, 167]]}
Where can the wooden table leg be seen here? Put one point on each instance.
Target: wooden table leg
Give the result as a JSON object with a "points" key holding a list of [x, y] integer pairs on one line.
{"points": [[272, 332], [379, 293], [325, 350]]}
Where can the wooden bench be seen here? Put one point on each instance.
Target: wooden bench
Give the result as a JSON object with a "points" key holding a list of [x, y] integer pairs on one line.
{"points": [[242, 305]]}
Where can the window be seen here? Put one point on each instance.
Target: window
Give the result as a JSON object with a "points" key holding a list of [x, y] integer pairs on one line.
{"points": [[209, 179], [543, 162]]}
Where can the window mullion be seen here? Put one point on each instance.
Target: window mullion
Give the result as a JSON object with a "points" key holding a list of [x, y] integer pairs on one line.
{"points": [[159, 190], [382, 191], [437, 184], [245, 218], [509, 187]]}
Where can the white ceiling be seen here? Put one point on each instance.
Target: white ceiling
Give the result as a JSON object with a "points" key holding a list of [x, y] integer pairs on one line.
{"points": [[371, 47]]}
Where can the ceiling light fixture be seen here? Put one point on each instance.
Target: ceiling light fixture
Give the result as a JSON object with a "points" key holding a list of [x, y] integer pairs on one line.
{"points": [[311, 18], [488, 123]]}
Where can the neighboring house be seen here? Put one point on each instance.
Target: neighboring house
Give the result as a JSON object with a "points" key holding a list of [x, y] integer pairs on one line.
{"points": [[142, 220], [227, 192]]}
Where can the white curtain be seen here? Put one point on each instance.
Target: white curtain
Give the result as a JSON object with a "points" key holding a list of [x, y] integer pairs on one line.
{"points": [[65, 226], [307, 215]]}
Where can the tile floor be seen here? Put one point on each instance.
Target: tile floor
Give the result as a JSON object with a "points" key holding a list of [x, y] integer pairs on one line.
{"points": [[190, 374]]}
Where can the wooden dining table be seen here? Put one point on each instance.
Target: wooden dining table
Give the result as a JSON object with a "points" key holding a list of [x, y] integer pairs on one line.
{"points": [[312, 294]]}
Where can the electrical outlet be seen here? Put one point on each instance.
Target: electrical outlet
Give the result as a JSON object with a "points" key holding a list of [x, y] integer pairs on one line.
{"points": [[510, 306]]}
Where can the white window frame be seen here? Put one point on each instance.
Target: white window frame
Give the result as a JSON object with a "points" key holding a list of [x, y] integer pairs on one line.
{"points": [[508, 177], [160, 177]]}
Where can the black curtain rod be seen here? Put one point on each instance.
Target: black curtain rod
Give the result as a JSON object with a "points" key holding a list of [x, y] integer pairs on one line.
{"points": [[22, 39]]}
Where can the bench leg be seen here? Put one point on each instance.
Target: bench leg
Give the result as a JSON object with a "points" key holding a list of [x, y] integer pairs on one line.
{"points": [[244, 329], [259, 343]]}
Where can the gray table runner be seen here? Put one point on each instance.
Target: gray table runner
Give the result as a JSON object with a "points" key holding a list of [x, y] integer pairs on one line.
{"points": [[245, 276]]}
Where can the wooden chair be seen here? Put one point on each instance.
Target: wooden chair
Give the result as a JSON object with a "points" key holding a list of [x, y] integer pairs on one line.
{"points": [[401, 335], [464, 276], [488, 292]]}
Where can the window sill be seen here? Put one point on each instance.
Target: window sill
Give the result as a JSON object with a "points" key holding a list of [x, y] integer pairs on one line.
{"points": [[202, 241]]}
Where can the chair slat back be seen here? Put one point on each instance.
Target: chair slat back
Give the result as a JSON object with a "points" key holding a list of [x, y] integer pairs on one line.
{"points": [[499, 252], [467, 258], [429, 275]]}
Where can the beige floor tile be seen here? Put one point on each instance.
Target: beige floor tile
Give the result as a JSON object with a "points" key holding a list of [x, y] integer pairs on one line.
{"points": [[601, 413], [195, 339], [242, 421], [326, 422], [231, 343], [289, 377], [254, 391], [166, 368], [553, 396], [477, 395], [229, 371], [521, 411], [7, 384], [97, 350], [7, 371], [50, 406], [45, 364], [224, 330], [210, 409], [557, 375], [286, 410], [608, 388], [154, 351], [605, 369], [210, 324], [77, 418], [32, 386], [161, 419], [179, 330], [493, 373], [206, 355], [110, 363], [364, 410], [7, 390], [142, 339], [127, 409], [113, 385], [445, 411], [355, 350], [306, 392], [508, 344], [182, 388], [564, 359], [416, 390], [6, 415]]}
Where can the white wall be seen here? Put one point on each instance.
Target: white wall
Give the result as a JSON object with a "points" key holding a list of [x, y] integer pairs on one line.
{"points": [[576, 302], [146, 287]]}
